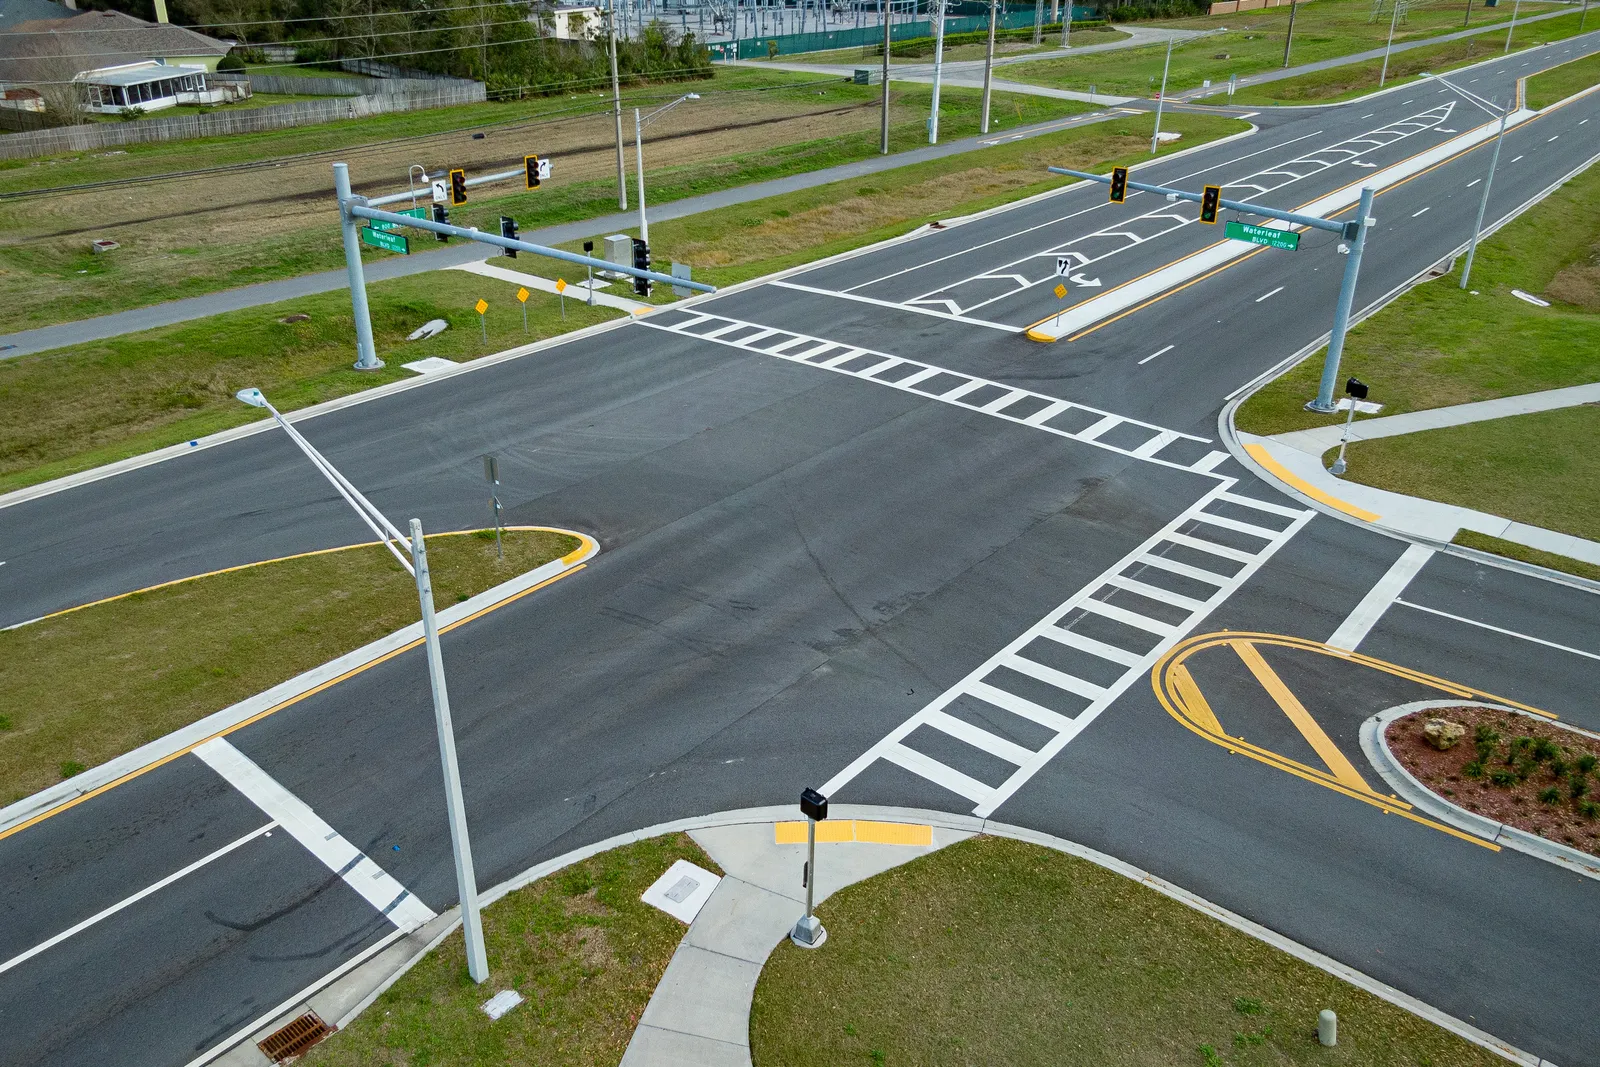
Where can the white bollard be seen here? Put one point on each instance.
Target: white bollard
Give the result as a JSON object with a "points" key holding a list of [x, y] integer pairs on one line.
{"points": [[1327, 1028]]}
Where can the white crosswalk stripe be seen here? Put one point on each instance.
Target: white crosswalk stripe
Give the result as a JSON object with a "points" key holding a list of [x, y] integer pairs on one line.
{"points": [[987, 684], [1141, 440]]}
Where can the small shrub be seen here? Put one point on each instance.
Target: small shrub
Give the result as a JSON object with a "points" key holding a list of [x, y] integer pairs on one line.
{"points": [[1503, 778], [1209, 1055], [1586, 763], [1473, 769], [1485, 734], [1589, 809], [1558, 768], [1247, 1006], [1549, 795], [1577, 786], [1543, 749]]}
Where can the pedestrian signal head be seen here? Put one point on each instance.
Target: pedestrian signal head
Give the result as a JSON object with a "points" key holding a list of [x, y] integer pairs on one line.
{"points": [[1210, 204], [1119, 184], [458, 187]]}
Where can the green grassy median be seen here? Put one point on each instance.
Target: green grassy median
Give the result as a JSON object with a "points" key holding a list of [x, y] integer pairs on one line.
{"points": [[1561, 82], [87, 685], [993, 951], [580, 946]]}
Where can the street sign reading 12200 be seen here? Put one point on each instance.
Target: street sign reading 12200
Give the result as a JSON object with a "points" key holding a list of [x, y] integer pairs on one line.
{"points": [[1263, 235]]}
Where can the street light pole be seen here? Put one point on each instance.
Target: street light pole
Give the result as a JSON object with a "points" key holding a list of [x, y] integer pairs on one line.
{"points": [[417, 566], [638, 153], [366, 354], [938, 66], [1513, 26], [1393, 18], [616, 111], [1161, 98], [988, 70], [1494, 162], [1289, 38], [883, 120]]}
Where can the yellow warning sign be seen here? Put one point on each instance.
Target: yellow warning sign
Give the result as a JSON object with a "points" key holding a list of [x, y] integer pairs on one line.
{"points": [[1061, 292], [482, 306], [561, 285], [522, 297]]}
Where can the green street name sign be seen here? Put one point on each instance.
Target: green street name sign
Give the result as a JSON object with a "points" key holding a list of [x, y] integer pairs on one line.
{"points": [[1263, 235], [390, 242], [391, 227]]}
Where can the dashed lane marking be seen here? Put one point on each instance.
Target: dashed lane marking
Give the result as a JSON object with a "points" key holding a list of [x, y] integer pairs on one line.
{"points": [[375, 885], [1141, 440], [1153, 355], [1138, 582]]}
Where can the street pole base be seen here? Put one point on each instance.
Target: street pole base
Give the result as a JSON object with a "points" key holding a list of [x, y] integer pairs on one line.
{"points": [[1338, 468], [376, 364], [808, 932], [1321, 409]]}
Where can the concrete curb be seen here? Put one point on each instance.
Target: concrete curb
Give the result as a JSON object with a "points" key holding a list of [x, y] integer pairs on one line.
{"points": [[15, 816], [350, 989], [1375, 745]]}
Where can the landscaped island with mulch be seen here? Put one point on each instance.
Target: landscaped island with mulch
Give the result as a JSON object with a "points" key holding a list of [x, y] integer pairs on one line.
{"points": [[1510, 767]]}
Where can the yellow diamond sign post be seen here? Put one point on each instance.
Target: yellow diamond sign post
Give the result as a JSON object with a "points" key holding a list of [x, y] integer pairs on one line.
{"points": [[1061, 292], [522, 298], [480, 307], [561, 290]]}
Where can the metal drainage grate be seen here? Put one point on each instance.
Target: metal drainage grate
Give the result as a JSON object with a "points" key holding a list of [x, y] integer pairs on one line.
{"points": [[294, 1039]]}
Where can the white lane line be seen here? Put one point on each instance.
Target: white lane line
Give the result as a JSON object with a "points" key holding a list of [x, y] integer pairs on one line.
{"points": [[1498, 630], [1473, 182], [1360, 622], [397, 903], [1153, 355], [1553, 138], [1424, 211], [1514, 160], [1582, 121], [1368, 115], [134, 899], [1274, 292]]}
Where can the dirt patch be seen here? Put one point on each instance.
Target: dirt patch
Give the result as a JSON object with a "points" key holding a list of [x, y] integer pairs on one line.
{"points": [[1578, 283], [1512, 768]]}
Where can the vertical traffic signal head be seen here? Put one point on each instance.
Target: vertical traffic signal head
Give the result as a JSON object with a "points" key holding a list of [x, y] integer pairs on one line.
{"points": [[458, 186], [530, 164], [1210, 204], [441, 215], [641, 261], [508, 230], [1119, 184]]}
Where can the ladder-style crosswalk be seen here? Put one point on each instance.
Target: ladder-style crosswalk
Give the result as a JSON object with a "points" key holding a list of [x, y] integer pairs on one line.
{"points": [[1054, 679], [1102, 429]]}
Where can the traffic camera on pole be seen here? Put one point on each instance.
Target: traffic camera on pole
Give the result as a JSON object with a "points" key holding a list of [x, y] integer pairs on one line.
{"points": [[1119, 184], [641, 261], [458, 187], [1210, 204], [441, 215], [508, 230], [530, 166]]}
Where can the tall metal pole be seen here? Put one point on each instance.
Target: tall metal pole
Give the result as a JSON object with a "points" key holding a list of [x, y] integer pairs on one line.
{"points": [[366, 354], [616, 111], [1483, 201], [466, 877], [1512, 28], [1467, 21], [1038, 21], [1066, 25], [1161, 100], [884, 132], [1383, 76], [1289, 38], [1583, 17], [638, 159], [938, 66], [988, 70], [1341, 314]]}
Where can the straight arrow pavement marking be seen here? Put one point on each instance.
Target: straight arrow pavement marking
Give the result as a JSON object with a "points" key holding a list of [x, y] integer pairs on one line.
{"points": [[375, 885]]}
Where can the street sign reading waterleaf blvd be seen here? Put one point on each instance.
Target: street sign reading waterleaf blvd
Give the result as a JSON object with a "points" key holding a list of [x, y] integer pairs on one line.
{"points": [[1263, 235], [391, 242], [391, 227]]}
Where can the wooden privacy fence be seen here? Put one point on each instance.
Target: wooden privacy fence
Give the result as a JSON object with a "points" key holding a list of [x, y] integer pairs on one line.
{"points": [[91, 137]]}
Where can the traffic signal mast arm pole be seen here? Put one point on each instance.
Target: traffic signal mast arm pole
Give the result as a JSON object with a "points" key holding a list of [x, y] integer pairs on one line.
{"points": [[1344, 229], [498, 176], [358, 210]]}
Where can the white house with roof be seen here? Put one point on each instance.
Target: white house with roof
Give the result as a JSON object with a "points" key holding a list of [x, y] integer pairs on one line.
{"points": [[152, 85]]}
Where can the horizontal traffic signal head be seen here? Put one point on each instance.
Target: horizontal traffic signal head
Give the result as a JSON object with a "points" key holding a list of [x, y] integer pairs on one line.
{"points": [[1210, 204], [1119, 184], [530, 164], [458, 187]]}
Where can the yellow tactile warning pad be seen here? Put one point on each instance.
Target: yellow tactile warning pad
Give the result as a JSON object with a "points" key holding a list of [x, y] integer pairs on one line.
{"points": [[838, 830]]}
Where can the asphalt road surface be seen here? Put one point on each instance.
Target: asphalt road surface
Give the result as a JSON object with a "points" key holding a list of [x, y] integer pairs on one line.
{"points": [[854, 535]]}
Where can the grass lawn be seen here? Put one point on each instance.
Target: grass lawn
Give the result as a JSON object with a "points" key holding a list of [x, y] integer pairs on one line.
{"points": [[1563, 81], [1437, 345], [1253, 43], [74, 408], [1538, 469], [580, 946], [997, 951], [260, 207], [734, 244], [1510, 549], [1358, 79], [87, 685]]}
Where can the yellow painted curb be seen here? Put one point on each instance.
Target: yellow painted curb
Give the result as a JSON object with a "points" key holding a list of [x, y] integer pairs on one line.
{"points": [[1039, 336], [1282, 473], [835, 831]]}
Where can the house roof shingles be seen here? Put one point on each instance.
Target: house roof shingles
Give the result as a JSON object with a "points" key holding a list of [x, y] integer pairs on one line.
{"points": [[57, 49]]}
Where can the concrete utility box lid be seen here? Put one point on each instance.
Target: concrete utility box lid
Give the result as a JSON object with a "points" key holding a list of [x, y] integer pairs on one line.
{"points": [[104, 245], [682, 891], [431, 328]]}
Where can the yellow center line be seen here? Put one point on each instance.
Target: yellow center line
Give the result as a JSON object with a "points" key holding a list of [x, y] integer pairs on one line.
{"points": [[1323, 745]]}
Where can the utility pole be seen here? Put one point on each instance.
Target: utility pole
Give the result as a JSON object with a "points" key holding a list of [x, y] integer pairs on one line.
{"points": [[1383, 76], [1289, 38], [988, 70], [1512, 28], [1341, 313], [1161, 100], [1468, 20], [366, 354], [1583, 17], [1066, 25], [938, 65], [1038, 21], [616, 112], [1483, 201], [884, 134]]}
